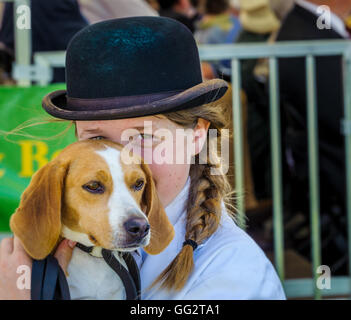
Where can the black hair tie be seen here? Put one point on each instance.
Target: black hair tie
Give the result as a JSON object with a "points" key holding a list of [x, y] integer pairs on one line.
{"points": [[191, 243]]}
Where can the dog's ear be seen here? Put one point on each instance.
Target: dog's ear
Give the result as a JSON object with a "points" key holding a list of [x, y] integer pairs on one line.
{"points": [[37, 220], [162, 231]]}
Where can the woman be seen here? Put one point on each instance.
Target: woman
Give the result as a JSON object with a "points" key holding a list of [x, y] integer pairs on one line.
{"points": [[143, 75]]}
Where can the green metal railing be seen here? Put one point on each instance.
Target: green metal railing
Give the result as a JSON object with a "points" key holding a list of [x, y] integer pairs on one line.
{"points": [[294, 287]]}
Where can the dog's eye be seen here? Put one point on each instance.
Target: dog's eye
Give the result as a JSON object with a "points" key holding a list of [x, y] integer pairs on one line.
{"points": [[138, 185], [94, 187]]}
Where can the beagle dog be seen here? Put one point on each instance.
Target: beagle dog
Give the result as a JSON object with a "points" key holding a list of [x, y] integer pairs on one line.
{"points": [[89, 195]]}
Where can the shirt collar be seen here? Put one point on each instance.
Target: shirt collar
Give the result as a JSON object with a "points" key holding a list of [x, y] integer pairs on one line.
{"points": [[337, 24], [177, 207]]}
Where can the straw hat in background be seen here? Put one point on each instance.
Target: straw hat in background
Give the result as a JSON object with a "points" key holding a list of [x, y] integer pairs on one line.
{"points": [[250, 5], [257, 16]]}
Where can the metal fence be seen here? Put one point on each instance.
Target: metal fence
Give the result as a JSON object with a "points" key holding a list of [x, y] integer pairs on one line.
{"points": [[311, 49], [41, 72]]}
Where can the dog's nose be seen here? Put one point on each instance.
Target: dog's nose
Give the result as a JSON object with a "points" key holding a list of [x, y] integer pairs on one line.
{"points": [[137, 228]]}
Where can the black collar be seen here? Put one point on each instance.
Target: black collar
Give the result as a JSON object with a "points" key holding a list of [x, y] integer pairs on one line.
{"points": [[84, 248]]}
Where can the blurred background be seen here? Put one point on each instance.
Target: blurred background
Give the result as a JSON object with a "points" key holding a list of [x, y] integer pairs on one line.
{"points": [[288, 63]]}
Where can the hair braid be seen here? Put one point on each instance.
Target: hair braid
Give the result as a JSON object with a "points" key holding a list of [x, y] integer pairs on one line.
{"points": [[204, 208], [203, 216], [207, 190]]}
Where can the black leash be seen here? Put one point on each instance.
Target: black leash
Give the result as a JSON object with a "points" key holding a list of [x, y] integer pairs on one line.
{"points": [[49, 282], [130, 279], [132, 287]]}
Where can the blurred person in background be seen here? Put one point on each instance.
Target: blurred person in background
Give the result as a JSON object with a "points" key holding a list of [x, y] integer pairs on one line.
{"points": [[258, 17], [180, 10], [53, 24], [217, 26], [197, 10], [154, 4], [281, 7], [99, 10], [301, 23]]}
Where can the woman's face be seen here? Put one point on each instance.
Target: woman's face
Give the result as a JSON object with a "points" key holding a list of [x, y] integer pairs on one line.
{"points": [[161, 142]]}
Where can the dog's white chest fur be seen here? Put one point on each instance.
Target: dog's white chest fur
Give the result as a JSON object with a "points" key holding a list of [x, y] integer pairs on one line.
{"points": [[93, 279]]}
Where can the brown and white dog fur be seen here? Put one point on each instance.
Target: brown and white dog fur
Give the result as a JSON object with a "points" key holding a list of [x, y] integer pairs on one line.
{"points": [[87, 194]]}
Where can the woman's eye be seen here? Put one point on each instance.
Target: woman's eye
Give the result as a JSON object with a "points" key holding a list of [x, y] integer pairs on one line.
{"points": [[149, 138], [138, 185], [97, 138], [145, 136], [94, 187], [144, 140]]}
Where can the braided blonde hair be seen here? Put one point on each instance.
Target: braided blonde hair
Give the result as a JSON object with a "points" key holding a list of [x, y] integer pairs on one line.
{"points": [[207, 191]]}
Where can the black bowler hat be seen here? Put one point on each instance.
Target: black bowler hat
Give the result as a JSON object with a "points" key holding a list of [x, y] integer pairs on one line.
{"points": [[132, 67]]}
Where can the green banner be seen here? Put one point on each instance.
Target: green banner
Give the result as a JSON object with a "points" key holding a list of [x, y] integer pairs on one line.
{"points": [[25, 151]]}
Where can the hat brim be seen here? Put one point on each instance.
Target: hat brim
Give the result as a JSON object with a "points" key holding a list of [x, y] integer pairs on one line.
{"points": [[55, 103]]}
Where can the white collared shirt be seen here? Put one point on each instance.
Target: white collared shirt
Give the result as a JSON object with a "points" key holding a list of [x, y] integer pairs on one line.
{"points": [[337, 24], [229, 265]]}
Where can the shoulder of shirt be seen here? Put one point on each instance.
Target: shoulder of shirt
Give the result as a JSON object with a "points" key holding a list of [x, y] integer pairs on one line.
{"points": [[231, 253], [231, 243], [230, 238]]}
